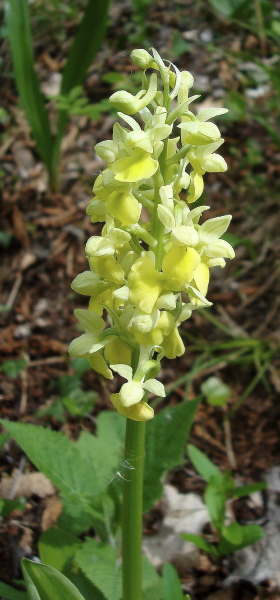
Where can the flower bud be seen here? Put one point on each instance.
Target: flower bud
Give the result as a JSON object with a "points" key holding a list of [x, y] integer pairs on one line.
{"points": [[130, 104], [142, 58]]}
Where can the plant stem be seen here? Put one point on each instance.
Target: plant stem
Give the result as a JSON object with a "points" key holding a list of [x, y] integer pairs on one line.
{"points": [[132, 511]]}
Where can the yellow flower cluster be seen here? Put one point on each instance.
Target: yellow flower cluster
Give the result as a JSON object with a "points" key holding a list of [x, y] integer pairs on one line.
{"points": [[149, 268]]}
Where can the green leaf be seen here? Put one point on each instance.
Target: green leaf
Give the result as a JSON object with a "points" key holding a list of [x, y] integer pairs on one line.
{"points": [[202, 463], [55, 409], [216, 391], [74, 467], [215, 500], [101, 565], [10, 593], [200, 542], [245, 490], [86, 43], [250, 535], [67, 384], [5, 239], [18, 27], [172, 589], [233, 533], [7, 506], [80, 366], [151, 581], [12, 368], [56, 547], [227, 8], [3, 439], [166, 437], [73, 518], [45, 583]]}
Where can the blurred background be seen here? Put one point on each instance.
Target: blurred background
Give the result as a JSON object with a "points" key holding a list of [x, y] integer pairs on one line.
{"points": [[232, 47]]}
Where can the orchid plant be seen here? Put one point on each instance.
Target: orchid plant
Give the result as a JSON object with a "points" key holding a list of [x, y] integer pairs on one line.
{"points": [[149, 268]]}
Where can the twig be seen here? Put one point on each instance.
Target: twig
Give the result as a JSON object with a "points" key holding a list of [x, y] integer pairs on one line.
{"points": [[17, 478], [228, 444], [24, 388], [14, 291], [46, 361], [263, 288], [266, 321], [236, 329]]}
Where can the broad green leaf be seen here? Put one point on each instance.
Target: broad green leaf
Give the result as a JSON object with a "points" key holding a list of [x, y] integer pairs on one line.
{"points": [[215, 500], [86, 43], [74, 467], [166, 436], [56, 547], [245, 490], [172, 589], [19, 34], [10, 593], [45, 583], [202, 463], [151, 581], [101, 565], [200, 542], [73, 517], [216, 391]]}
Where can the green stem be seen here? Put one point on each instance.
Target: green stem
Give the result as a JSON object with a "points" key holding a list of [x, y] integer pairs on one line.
{"points": [[132, 511]]}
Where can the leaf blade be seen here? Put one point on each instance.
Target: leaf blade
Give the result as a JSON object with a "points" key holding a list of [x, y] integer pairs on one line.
{"points": [[165, 438], [18, 26]]}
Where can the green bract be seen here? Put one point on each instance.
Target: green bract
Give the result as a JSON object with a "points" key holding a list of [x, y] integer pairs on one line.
{"points": [[149, 268]]}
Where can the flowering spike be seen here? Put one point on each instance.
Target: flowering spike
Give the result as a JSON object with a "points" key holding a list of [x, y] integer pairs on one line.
{"points": [[141, 264]]}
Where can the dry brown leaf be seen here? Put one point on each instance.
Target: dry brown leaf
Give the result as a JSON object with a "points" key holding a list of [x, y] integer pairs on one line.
{"points": [[28, 484], [51, 512], [19, 228]]}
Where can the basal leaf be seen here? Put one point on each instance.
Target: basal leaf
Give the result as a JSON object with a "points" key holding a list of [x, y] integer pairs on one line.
{"points": [[151, 581], [73, 517], [74, 467], [45, 583], [56, 547], [166, 437], [101, 565], [10, 593]]}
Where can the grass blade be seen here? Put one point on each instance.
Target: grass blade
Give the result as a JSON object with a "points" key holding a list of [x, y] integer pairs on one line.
{"points": [[86, 43], [19, 34]]}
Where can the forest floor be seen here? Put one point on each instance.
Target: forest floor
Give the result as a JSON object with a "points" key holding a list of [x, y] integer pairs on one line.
{"points": [[43, 250]]}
